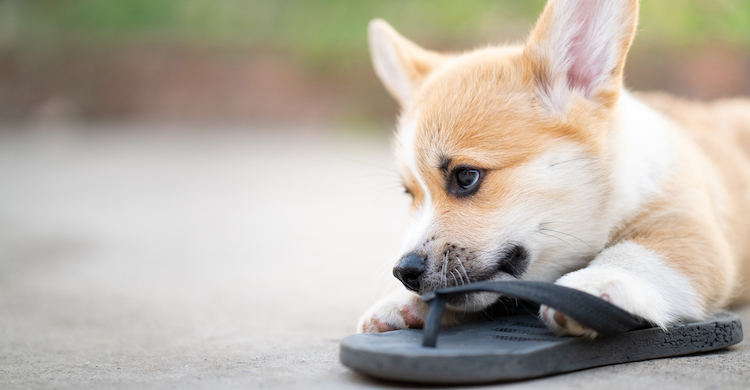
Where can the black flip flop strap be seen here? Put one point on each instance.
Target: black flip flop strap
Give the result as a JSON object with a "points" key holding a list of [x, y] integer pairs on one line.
{"points": [[590, 311]]}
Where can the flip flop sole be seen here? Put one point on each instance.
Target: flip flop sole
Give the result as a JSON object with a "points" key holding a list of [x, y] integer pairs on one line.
{"points": [[520, 347]]}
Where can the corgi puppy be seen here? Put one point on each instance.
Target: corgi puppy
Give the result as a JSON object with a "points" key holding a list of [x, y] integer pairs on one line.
{"points": [[533, 162]]}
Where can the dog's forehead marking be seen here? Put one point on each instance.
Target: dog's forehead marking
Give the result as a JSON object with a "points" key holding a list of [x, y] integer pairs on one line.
{"points": [[423, 217]]}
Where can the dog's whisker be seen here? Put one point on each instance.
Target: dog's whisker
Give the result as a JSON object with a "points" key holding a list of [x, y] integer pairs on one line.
{"points": [[571, 236], [461, 264], [581, 159], [445, 270], [460, 277], [553, 236], [554, 222]]}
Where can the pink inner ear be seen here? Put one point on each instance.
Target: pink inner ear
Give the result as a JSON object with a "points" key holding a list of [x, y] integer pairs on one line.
{"points": [[586, 52]]}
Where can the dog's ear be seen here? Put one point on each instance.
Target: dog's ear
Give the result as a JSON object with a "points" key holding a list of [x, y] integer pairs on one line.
{"points": [[579, 46], [400, 64]]}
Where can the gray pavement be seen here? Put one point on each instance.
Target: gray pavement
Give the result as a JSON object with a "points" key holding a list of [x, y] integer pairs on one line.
{"points": [[145, 257]]}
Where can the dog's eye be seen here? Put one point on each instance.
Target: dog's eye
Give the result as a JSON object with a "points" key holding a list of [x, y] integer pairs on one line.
{"points": [[465, 181], [467, 178]]}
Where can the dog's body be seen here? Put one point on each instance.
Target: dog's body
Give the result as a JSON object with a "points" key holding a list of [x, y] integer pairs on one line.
{"points": [[532, 162]]}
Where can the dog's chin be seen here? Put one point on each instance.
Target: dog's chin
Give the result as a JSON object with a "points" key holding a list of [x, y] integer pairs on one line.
{"points": [[479, 301], [472, 302]]}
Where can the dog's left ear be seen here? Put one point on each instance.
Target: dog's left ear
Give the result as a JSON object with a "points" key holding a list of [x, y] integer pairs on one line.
{"points": [[401, 65], [579, 47]]}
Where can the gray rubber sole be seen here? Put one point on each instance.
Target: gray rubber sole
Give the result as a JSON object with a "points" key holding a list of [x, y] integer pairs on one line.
{"points": [[520, 347]]}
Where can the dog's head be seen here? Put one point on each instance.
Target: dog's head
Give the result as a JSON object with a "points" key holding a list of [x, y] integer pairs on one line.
{"points": [[504, 149]]}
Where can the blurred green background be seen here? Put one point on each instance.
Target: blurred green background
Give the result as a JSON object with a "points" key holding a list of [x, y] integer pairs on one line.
{"points": [[303, 60]]}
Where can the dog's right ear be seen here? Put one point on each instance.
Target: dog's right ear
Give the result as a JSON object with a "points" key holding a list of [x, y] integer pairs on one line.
{"points": [[579, 47], [400, 63]]}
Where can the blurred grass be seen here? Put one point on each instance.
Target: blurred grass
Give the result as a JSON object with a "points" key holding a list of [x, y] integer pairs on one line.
{"points": [[324, 33], [319, 33], [281, 59]]}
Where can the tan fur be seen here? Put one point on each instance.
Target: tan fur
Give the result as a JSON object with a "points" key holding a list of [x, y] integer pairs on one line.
{"points": [[496, 125], [498, 109], [708, 238]]}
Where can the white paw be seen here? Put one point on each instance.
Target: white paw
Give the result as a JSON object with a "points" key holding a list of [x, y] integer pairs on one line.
{"points": [[564, 325], [634, 279], [398, 311], [608, 287]]}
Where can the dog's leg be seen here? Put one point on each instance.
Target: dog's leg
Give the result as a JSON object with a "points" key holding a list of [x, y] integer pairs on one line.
{"points": [[636, 279], [399, 310]]}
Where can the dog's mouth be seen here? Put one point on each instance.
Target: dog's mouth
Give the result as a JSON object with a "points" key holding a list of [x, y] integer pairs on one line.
{"points": [[511, 261], [510, 264], [514, 260]]}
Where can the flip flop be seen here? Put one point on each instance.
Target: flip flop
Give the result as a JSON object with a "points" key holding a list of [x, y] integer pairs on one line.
{"points": [[519, 346]]}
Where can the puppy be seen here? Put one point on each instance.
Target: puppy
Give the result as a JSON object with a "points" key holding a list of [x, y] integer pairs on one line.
{"points": [[533, 162]]}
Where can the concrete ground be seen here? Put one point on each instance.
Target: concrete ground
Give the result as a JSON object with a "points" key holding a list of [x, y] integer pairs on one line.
{"points": [[140, 258]]}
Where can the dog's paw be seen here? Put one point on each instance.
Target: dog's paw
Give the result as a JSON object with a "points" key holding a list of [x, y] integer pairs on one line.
{"points": [[398, 311], [635, 279], [564, 325], [605, 286]]}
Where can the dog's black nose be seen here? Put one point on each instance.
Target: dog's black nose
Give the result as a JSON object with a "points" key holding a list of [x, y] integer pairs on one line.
{"points": [[409, 269]]}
